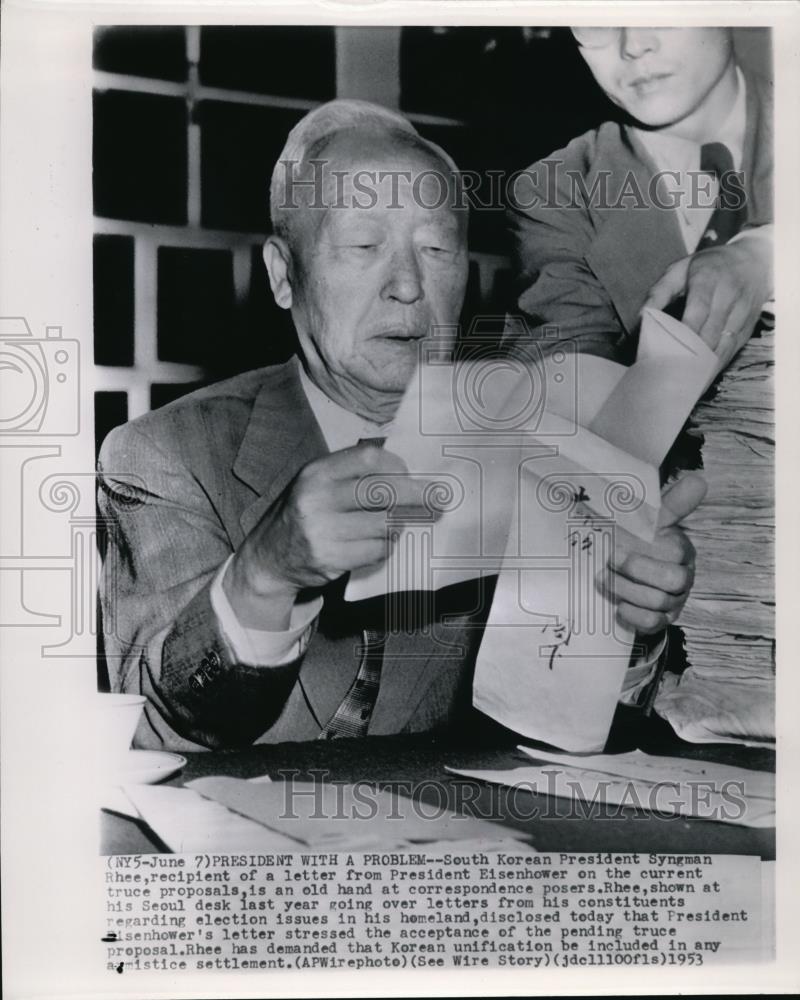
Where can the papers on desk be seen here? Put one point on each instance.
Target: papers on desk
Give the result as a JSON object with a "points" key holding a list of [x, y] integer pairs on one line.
{"points": [[232, 814], [537, 468], [673, 785], [188, 823], [338, 816], [719, 709]]}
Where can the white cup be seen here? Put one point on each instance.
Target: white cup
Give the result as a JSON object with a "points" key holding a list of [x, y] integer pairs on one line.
{"points": [[118, 717]]}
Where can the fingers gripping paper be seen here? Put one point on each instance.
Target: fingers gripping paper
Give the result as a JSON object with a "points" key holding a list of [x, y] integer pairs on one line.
{"points": [[553, 658], [535, 472]]}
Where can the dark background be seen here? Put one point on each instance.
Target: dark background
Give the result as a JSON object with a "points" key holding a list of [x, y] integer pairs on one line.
{"points": [[187, 126]]}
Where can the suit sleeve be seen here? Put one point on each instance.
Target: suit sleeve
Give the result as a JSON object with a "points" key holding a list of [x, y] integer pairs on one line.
{"points": [[165, 545], [557, 294]]}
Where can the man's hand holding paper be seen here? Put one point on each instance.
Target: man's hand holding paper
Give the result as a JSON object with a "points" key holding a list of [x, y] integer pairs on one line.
{"points": [[561, 646], [327, 522], [650, 581]]}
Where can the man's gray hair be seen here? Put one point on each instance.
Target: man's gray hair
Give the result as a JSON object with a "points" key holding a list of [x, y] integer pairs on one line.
{"points": [[318, 127]]}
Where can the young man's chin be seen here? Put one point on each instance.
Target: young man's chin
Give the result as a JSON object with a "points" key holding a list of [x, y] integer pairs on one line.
{"points": [[659, 111]]}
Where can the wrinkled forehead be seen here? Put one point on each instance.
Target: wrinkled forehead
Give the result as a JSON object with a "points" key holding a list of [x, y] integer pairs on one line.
{"points": [[374, 173]]}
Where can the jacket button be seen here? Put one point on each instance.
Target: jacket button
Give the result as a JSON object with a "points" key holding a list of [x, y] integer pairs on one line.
{"points": [[213, 662], [197, 681]]}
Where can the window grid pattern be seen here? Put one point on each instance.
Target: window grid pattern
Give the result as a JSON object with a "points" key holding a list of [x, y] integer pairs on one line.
{"points": [[149, 377]]}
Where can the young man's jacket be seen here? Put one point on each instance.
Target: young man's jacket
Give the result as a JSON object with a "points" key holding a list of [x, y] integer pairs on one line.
{"points": [[591, 236]]}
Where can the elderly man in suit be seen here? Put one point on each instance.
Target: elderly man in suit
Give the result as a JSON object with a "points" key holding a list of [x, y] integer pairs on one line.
{"points": [[234, 515], [671, 208]]}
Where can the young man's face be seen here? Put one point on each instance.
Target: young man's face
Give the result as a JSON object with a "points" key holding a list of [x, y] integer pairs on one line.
{"points": [[659, 76]]}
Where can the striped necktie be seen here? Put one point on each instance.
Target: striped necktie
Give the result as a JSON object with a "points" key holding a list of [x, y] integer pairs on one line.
{"points": [[352, 716]]}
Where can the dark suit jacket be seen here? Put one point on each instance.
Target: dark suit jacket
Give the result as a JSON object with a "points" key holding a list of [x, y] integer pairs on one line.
{"points": [[585, 268], [205, 469]]}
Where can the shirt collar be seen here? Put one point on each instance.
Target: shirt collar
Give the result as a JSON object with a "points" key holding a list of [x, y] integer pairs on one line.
{"points": [[340, 427]]}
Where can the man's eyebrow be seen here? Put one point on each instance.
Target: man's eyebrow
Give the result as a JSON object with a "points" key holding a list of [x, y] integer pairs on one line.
{"points": [[339, 223]]}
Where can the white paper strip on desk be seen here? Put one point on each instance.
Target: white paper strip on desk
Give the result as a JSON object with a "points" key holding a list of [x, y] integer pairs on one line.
{"points": [[338, 817], [552, 661], [699, 788], [673, 797], [656, 769], [188, 823]]}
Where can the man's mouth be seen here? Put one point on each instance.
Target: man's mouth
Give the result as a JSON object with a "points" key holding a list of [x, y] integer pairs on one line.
{"points": [[402, 336], [649, 82]]}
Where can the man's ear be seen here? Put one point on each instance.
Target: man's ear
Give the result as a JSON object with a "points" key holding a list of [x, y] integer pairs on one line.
{"points": [[278, 261]]}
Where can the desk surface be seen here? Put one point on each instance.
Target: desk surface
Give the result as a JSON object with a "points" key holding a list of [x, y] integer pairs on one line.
{"points": [[419, 761]]}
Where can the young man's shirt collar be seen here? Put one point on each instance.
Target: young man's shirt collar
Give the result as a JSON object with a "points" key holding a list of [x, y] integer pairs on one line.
{"points": [[673, 155]]}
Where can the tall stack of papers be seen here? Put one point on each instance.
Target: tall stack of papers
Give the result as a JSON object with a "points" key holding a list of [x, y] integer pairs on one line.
{"points": [[728, 691]]}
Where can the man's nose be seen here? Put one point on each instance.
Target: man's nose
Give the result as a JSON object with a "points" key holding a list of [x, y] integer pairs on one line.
{"points": [[404, 281], [636, 42]]}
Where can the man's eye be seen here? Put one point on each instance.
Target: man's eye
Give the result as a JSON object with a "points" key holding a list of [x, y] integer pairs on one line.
{"points": [[436, 249]]}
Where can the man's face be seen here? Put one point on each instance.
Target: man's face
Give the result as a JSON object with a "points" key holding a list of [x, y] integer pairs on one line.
{"points": [[659, 75], [370, 282]]}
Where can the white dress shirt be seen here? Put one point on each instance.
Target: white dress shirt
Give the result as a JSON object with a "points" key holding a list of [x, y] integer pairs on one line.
{"points": [[262, 648]]}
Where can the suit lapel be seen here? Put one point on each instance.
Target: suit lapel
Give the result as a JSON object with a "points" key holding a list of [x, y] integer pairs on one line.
{"points": [[281, 437], [439, 653], [634, 245], [404, 679]]}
